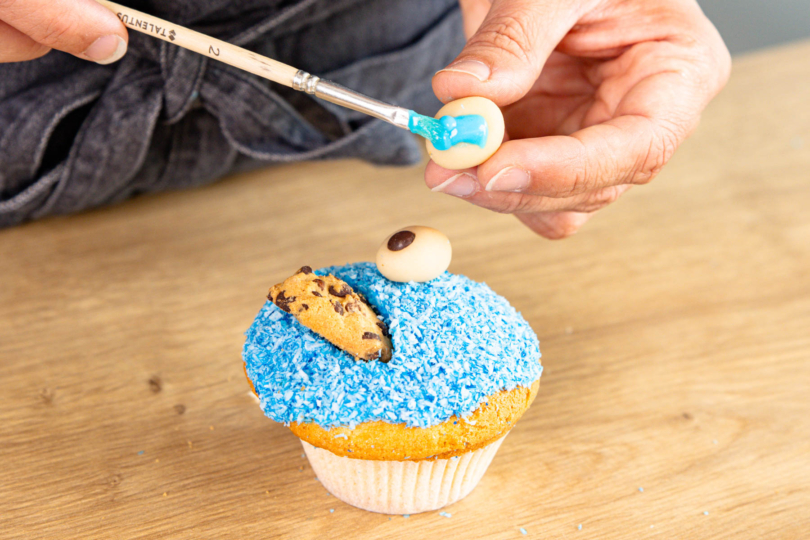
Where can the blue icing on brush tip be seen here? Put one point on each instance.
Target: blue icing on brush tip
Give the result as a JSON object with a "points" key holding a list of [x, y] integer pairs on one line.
{"points": [[455, 342], [449, 131]]}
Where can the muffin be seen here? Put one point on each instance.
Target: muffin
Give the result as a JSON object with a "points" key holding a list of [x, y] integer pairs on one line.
{"points": [[400, 402]]}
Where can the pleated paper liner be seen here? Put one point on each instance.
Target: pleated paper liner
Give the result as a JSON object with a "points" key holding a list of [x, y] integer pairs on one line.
{"points": [[400, 487]]}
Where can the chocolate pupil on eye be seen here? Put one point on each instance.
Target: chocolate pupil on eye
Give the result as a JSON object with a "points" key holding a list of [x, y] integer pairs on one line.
{"points": [[401, 240]]}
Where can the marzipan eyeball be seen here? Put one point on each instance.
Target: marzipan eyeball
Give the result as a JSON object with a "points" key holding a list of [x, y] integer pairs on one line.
{"points": [[465, 155], [414, 254]]}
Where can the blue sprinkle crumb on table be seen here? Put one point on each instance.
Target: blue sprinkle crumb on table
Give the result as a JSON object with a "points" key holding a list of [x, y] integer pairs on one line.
{"points": [[445, 514], [406, 516], [706, 513], [641, 489], [579, 527], [523, 531], [331, 510], [140, 453]]}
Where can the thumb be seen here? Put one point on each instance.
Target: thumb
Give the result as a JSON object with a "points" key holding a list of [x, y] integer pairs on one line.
{"points": [[504, 58], [82, 28]]}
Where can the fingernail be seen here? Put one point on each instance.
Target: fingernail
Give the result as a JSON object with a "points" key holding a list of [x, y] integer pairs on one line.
{"points": [[477, 69], [106, 50], [460, 185], [509, 179]]}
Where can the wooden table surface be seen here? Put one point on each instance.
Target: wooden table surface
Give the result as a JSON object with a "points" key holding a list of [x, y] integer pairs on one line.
{"points": [[675, 330]]}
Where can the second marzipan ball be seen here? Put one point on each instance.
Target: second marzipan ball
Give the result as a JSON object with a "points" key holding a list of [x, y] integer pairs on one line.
{"points": [[414, 253]]}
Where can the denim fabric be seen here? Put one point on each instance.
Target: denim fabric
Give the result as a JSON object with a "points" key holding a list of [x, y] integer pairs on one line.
{"points": [[75, 135]]}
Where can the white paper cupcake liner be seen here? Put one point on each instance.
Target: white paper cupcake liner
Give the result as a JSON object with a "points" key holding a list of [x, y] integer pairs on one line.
{"points": [[400, 487]]}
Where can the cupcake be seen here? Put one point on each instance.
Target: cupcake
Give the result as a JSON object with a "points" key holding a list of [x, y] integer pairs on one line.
{"points": [[400, 391]]}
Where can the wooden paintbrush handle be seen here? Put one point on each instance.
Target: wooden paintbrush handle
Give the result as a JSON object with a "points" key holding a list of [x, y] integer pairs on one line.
{"points": [[205, 45], [257, 64]]}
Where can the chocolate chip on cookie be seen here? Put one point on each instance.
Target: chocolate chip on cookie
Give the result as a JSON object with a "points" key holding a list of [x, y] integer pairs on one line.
{"points": [[283, 301], [341, 292], [339, 314]]}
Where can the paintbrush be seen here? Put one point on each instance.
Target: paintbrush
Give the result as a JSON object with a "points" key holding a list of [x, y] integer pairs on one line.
{"points": [[443, 133]]}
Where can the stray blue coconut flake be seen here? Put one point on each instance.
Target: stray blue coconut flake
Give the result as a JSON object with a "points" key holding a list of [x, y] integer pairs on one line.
{"points": [[523, 531], [455, 343]]}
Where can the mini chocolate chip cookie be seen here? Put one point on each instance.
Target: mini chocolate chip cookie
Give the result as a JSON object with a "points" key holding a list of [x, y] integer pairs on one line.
{"points": [[328, 306]]}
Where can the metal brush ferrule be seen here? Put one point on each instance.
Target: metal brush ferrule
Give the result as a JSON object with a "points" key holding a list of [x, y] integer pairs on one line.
{"points": [[339, 95]]}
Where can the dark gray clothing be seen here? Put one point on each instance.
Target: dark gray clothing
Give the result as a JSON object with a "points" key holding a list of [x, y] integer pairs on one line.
{"points": [[75, 135]]}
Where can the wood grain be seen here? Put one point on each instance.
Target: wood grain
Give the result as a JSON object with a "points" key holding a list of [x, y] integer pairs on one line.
{"points": [[675, 331]]}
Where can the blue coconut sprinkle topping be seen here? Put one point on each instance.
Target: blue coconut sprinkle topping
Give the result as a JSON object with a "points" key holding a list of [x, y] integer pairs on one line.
{"points": [[455, 342]]}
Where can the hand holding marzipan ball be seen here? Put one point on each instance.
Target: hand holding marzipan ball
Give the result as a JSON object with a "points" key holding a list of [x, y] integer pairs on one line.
{"points": [[414, 254], [466, 155], [594, 100]]}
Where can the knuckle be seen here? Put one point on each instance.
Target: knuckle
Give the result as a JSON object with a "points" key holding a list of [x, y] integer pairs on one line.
{"points": [[709, 62], [55, 30], [580, 176], [507, 33], [514, 203], [503, 209], [713, 60], [511, 205], [594, 167], [599, 199], [662, 146], [578, 180]]}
